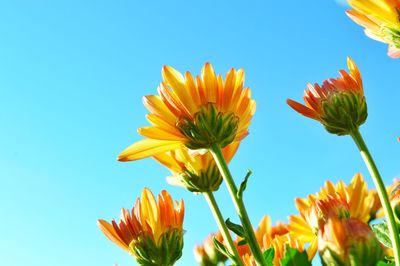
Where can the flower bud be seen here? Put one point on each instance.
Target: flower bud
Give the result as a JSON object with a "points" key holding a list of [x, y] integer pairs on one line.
{"points": [[152, 232], [339, 104], [348, 242], [195, 172]]}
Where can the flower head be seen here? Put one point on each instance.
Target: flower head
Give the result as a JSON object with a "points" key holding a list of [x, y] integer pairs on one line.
{"points": [[196, 172], [195, 112], [206, 254], [339, 104], [348, 242], [152, 232], [381, 20], [340, 200], [269, 236]]}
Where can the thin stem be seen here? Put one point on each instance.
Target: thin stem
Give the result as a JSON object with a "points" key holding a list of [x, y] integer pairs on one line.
{"points": [[239, 205], [381, 189], [212, 203]]}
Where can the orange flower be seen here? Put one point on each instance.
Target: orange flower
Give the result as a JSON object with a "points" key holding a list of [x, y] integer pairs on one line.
{"points": [[339, 104], [151, 226], [348, 242], [195, 112], [381, 20], [361, 203], [270, 236], [196, 172]]}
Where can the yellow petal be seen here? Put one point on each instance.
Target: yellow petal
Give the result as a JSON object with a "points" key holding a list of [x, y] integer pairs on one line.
{"points": [[146, 148]]}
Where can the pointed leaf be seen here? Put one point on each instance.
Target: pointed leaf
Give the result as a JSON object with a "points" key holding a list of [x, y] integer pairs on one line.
{"points": [[236, 228], [242, 242], [293, 257], [243, 184], [269, 255], [221, 248]]}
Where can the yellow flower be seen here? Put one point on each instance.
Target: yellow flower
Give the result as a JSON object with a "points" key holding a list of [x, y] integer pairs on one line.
{"points": [[196, 172], [269, 236], [381, 20], [195, 112], [339, 104], [362, 204], [348, 242], [152, 232]]}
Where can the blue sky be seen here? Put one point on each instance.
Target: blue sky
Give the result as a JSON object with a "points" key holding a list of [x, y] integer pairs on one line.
{"points": [[72, 74]]}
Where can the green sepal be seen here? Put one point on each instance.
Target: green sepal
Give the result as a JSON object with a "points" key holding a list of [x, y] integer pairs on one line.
{"points": [[294, 257], [208, 180], [381, 231], [236, 228], [164, 253], [209, 127]]}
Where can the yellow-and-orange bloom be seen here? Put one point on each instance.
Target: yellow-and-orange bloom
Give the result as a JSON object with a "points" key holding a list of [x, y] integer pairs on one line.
{"points": [[381, 20], [362, 204], [348, 242], [339, 104], [196, 172], [195, 112], [207, 254], [269, 236], [152, 232]]}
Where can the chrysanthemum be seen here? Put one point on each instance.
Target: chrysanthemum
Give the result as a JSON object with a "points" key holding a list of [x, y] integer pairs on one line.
{"points": [[270, 236], [196, 172], [362, 204], [348, 242], [152, 232], [339, 104], [195, 112], [381, 20]]}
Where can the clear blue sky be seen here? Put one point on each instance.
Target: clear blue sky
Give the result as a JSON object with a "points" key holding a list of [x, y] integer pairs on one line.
{"points": [[72, 74]]}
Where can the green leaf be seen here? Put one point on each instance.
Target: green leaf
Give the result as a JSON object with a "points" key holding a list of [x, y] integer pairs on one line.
{"points": [[243, 185], [221, 248], [236, 228], [242, 242], [382, 233], [269, 255], [293, 257], [382, 263]]}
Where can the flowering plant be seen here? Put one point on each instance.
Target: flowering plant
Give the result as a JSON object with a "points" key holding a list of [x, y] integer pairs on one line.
{"points": [[197, 125]]}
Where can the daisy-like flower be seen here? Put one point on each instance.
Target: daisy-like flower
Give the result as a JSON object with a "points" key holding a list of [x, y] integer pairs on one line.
{"points": [[196, 172], [195, 112], [339, 104], [268, 236], [207, 254], [362, 204], [152, 232], [381, 20], [348, 242]]}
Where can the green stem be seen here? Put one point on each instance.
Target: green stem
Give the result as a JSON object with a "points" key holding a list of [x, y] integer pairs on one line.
{"points": [[212, 203], [239, 205], [381, 189]]}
